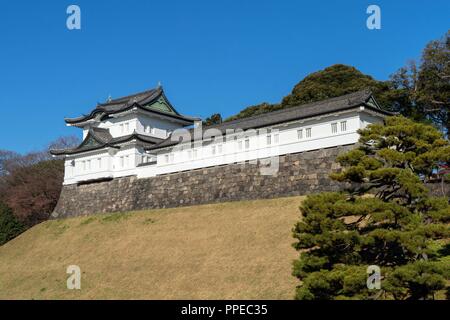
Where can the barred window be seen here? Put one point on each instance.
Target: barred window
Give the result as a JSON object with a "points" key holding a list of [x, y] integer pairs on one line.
{"points": [[308, 132], [343, 125], [276, 138], [300, 134], [334, 127], [269, 140], [247, 143]]}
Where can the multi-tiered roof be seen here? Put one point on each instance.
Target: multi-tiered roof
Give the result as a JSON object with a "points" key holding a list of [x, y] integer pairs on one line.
{"points": [[151, 102]]}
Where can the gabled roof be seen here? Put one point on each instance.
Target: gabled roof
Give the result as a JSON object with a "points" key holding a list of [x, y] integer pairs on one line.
{"points": [[342, 103], [98, 138], [153, 100]]}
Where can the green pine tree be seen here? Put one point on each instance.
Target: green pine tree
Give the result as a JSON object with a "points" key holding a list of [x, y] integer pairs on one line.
{"points": [[385, 217], [10, 227]]}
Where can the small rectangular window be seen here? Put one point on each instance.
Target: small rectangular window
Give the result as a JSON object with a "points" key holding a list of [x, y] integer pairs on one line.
{"points": [[219, 148], [166, 158], [300, 134], [343, 125], [308, 132], [127, 161], [334, 128], [99, 161], [88, 164], [172, 157], [121, 128], [247, 143], [84, 165], [276, 138], [240, 145], [213, 150], [127, 127], [122, 162], [269, 140]]}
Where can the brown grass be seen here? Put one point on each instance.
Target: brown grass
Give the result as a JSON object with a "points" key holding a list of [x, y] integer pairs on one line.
{"points": [[239, 250]]}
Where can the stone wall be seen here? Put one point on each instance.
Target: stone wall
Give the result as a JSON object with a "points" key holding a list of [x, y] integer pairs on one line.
{"points": [[298, 174]]}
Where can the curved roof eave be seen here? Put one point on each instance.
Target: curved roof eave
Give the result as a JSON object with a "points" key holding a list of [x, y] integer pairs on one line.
{"points": [[139, 105], [112, 143]]}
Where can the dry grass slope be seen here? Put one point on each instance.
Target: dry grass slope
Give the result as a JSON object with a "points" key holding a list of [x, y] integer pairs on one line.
{"points": [[239, 250]]}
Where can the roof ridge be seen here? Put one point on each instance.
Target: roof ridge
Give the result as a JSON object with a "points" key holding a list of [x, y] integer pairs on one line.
{"points": [[128, 97], [367, 91], [343, 102]]}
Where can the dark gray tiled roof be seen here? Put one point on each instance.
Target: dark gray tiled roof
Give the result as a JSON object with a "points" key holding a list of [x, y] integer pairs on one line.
{"points": [[304, 111], [103, 139], [119, 104], [101, 135], [139, 100]]}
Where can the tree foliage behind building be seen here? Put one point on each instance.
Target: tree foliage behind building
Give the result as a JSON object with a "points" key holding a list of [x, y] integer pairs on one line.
{"points": [[420, 90], [30, 185]]}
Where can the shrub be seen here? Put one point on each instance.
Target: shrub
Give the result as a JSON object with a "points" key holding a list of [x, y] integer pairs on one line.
{"points": [[10, 227]]}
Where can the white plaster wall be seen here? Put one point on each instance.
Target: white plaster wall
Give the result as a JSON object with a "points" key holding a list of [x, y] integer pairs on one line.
{"points": [[159, 128], [93, 165], [97, 165], [367, 119], [183, 158], [234, 147], [122, 126]]}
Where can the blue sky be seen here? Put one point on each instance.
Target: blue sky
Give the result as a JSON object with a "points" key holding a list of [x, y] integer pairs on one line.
{"points": [[211, 56]]}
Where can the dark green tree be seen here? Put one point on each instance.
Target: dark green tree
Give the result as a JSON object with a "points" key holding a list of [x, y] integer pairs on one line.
{"points": [[422, 90], [433, 83], [386, 217], [255, 110], [331, 82], [335, 81], [10, 227], [215, 118]]}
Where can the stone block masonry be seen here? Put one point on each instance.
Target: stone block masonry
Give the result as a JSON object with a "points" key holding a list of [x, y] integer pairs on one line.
{"points": [[298, 174]]}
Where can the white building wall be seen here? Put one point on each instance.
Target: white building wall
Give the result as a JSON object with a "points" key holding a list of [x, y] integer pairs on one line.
{"points": [[122, 126], [327, 131], [102, 164], [252, 145], [155, 127]]}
